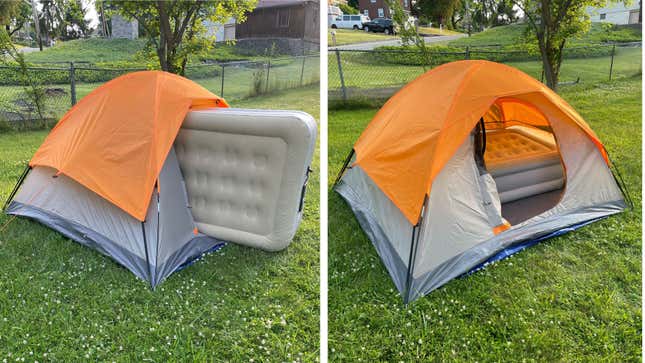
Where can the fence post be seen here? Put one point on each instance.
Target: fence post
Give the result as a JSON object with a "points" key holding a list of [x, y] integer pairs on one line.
{"points": [[221, 93], [72, 82], [467, 54], [611, 66], [266, 89], [340, 73], [302, 69]]}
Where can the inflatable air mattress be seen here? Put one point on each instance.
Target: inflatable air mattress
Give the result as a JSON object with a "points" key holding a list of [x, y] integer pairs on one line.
{"points": [[523, 162], [246, 172]]}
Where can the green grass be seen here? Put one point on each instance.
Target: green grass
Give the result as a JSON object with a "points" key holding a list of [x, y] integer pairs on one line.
{"points": [[514, 34], [348, 36], [436, 31], [95, 50], [572, 298], [60, 301], [122, 52]]}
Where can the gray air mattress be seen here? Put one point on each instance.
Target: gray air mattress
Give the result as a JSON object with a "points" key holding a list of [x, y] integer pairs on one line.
{"points": [[245, 173], [523, 162]]}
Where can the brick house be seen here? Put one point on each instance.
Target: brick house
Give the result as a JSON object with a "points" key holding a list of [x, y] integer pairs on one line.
{"points": [[378, 8]]}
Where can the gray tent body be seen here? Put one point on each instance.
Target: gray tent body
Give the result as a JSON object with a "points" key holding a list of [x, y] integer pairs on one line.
{"points": [[152, 249], [455, 232]]}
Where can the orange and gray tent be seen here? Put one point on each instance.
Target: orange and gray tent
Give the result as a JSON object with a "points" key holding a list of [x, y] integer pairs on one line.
{"points": [[469, 163], [107, 175]]}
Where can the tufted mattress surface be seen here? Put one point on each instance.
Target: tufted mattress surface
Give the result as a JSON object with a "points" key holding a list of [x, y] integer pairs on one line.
{"points": [[244, 172], [523, 162]]}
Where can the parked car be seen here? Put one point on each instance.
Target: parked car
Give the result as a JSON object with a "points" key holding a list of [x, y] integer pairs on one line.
{"points": [[349, 21], [380, 25]]}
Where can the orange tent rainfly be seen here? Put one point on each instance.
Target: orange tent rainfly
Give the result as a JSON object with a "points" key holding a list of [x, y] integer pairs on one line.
{"points": [[116, 139], [467, 163]]}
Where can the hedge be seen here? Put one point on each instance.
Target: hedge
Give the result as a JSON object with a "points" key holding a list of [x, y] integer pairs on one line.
{"points": [[410, 55]]}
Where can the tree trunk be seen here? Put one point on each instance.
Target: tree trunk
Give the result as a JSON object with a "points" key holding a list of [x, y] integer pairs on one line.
{"points": [[551, 55]]}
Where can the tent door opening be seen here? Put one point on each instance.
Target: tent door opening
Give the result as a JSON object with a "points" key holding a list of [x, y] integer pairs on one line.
{"points": [[525, 164]]}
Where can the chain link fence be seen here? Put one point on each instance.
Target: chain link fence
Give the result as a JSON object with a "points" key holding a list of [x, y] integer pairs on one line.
{"points": [[58, 86], [370, 74]]}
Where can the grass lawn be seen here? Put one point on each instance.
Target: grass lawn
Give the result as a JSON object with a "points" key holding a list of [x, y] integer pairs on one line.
{"points": [[120, 51], [95, 50], [348, 36], [436, 31], [514, 34], [60, 301], [572, 298]]}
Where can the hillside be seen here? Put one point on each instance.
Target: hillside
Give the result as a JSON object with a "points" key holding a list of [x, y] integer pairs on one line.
{"points": [[514, 34], [121, 52]]}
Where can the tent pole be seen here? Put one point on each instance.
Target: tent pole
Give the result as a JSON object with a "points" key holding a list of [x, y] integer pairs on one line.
{"points": [[406, 296], [347, 160], [618, 177], [158, 224], [416, 232], [15, 188], [145, 245]]}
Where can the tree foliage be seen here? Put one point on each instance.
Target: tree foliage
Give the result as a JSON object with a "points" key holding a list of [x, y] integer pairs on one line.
{"points": [[10, 56], [347, 9], [407, 31], [51, 18], [439, 11], [489, 13], [552, 22], [176, 29], [64, 19], [14, 14], [75, 25], [353, 4]]}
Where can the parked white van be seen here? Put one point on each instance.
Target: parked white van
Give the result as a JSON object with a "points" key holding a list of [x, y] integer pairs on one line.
{"points": [[354, 21]]}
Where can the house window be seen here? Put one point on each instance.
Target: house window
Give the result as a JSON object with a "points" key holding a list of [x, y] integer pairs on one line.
{"points": [[366, 12], [283, 18], [373, 1], [380, 13], [405, 4], [603, 16]]}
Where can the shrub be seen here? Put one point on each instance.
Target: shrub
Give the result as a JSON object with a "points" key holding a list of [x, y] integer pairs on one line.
{"points": [[409, 55]]}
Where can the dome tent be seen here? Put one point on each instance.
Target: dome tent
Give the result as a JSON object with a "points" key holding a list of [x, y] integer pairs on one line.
{"points": [[128, 171], [469, 162]]}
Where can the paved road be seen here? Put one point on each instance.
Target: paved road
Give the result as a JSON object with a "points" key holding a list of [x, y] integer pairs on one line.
{"points": [[372, 45], [27, 50]]}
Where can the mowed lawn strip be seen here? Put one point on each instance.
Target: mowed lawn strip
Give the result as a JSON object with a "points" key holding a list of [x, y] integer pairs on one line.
{"points": [[571, 298], [350, 36], [60, 301]]}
